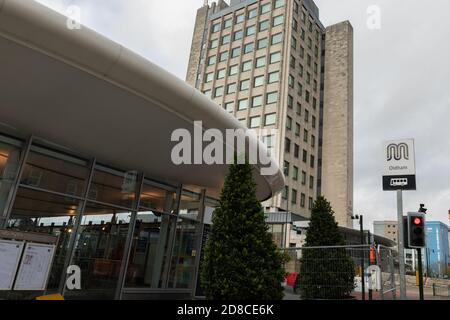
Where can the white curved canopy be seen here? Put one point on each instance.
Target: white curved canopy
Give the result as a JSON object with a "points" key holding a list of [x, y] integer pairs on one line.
{"points": [[83, 91]]}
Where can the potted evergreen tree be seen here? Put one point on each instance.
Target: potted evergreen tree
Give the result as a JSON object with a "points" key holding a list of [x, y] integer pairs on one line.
{"points": [[325, 273], [241, 260]]}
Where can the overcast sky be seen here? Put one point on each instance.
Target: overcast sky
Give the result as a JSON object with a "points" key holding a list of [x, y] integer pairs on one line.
{"points": [[402, 81]]}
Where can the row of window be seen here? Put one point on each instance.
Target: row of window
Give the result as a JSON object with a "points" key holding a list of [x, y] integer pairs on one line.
{"points": [[243, 104], [302, 49], [288, 147], [291, 83], [305, 133], [299, 111], [252, 13], [302, 31], [300, 94], [255, 122], [292, 63], [295, 173], [303, 18], [262, 43], [247, 48], [300, 89], [257, 101], [306, 119], [245, 66], [237, 35], [294, 197], [244, 85]]}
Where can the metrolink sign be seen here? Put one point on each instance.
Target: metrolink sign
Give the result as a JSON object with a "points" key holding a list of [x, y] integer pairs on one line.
{"points": [[399, 165]]}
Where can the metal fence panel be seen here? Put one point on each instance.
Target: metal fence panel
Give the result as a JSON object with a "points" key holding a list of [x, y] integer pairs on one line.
{"points": [[334, 272]]}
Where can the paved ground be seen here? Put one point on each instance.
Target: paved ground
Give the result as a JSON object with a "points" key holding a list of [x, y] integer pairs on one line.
{"points": [[412, 293], [289, 294]]}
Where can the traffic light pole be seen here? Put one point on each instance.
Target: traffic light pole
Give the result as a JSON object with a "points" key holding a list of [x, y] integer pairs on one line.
{"points": [[419, 257], [370, 279], [401, 245], [363, 271]]}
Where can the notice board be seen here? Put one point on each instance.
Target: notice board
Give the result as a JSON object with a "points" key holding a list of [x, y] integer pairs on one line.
{"points": [[35, 267], [10, 252]]}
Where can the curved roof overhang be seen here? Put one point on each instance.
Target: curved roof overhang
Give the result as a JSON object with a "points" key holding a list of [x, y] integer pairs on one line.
{"points": [[83, 91]]}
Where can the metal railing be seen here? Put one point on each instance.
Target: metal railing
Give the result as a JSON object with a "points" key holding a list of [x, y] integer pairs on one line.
{"points": [[334, 272], [441, 290]]}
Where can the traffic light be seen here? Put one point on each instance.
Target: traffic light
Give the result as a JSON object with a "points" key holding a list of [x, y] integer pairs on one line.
{"points": [[416, 230]]}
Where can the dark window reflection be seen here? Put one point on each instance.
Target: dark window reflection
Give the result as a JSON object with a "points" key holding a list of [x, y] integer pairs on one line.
{"points": [[53, 171], [157, 198], [9, 166], [41, 212], [113, 186], [148, 260], [182, 266], [189, 205], [99, 250]]}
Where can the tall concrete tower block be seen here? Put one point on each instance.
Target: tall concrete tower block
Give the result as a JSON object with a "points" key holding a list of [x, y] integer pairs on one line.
{"points": [[272, 64], [199, 39], [337, 149], [197, 44]]}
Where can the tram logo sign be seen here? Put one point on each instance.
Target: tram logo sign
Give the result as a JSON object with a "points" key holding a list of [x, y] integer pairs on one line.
{"points": [[397, 151], [399, 165]]}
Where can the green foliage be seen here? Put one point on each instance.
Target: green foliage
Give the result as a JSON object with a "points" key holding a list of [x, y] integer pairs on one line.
{"points": [[241, 260], [326, 273]]}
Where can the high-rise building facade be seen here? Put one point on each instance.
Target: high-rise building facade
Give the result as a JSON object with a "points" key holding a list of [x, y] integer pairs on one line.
{"points": [[265, 62], [388, 229], [437, 249]]}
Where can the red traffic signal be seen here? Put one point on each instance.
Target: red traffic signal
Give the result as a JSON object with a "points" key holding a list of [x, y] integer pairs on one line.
{"points": [[416, 230]]}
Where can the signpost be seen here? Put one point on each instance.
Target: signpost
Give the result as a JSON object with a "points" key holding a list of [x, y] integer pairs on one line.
{"points": [[400, 174], [399, 165]]}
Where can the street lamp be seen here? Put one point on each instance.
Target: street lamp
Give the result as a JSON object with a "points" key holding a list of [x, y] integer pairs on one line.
{"points": [[360, 218]]}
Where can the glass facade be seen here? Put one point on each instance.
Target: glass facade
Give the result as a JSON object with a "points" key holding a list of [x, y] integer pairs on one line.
{"points": [[124, 230], [99, 250], [10, 154], [148, 262], [41, 212], [184, 254]]}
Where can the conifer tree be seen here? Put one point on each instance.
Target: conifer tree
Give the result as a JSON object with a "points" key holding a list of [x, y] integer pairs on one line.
{"points": [[241, 260], [325, 273]]}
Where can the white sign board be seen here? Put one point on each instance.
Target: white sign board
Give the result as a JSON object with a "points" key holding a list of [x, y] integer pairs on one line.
{"points": [[399, 158], [35, 267], [399, 168], [10, 252]]}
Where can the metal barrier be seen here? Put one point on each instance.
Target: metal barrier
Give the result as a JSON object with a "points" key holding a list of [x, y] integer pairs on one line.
{"points": [[440, 290], [334, 272], [387, 260]]}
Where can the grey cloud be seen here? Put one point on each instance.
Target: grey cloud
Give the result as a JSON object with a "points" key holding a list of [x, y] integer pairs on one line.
{"points": [[401, 90], [402, 81]]}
